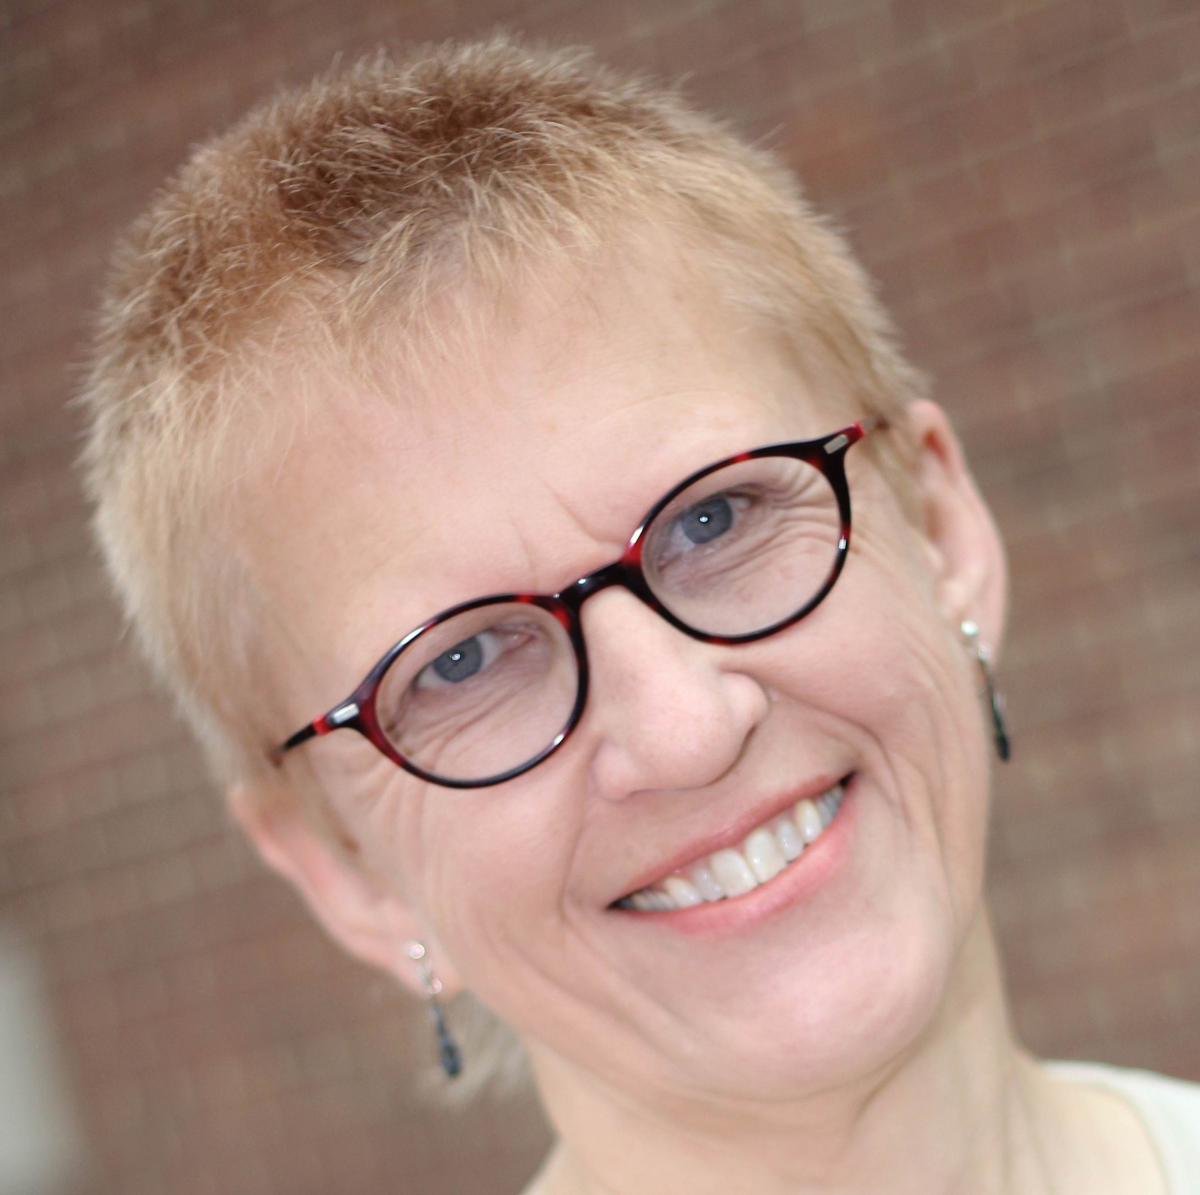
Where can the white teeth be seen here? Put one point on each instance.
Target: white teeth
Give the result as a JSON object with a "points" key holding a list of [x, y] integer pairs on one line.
{"points": [[682, 892], [763, 854], [706, 883], [790, 841], [808, 820], [733, 872], [827, 804]]}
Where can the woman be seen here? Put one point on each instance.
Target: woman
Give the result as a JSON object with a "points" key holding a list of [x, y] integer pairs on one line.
{"points": [[474, 446]]}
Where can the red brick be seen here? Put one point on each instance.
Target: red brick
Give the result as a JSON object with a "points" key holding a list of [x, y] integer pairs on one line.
{"points": [[928, 143], [1144, 65], [1025, 177], [699, 38], [57, 856], [1161, 328], [1120, 271], [1015, 245], [1075, 93], [996, 119], [114, 893], [1175, 118], [1112, 147], [846, 171], [163, 828], [978, 317], [1153, 14], [21, 709], [820, 14], [923, 84], [1064, 31], [883, 225], [1156, 399], [896, 287], [947, 205], [995, 54], [980, 392], [817, 59]]}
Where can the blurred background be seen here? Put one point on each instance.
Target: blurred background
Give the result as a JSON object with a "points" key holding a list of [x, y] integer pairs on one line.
{"points": [[1024, 181]]}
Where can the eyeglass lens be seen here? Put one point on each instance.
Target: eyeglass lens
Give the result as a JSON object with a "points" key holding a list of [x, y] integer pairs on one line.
{"points": [[740, 550]]}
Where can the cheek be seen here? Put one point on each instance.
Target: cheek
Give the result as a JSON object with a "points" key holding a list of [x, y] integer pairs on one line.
{"points": [[485, 869], [878, 666]]}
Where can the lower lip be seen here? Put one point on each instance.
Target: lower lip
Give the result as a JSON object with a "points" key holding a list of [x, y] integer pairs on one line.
{"points": [[819, 863]]}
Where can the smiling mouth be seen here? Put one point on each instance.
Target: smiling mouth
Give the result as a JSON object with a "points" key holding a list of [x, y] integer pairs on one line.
{"points": [[733, 871]]}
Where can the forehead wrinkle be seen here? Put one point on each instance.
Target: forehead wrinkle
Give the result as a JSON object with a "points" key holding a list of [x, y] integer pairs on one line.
{"points": [[470, 582], [530, 559], [371, 580], [691, 444], [578, 565], [610, 541]]}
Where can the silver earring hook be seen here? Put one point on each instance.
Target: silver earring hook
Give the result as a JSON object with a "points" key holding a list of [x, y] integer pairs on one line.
{"points": [[983, 655]]}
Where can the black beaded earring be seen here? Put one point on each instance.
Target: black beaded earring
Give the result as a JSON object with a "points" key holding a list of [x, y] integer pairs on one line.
{"points": [[449, 1053]]}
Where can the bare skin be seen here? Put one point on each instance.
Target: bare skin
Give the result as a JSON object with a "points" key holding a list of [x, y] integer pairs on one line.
{"points": [[1002, 1126]]}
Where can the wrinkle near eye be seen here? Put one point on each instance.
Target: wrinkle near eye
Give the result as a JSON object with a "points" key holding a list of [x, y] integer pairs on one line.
{"points": [[606, 546]]}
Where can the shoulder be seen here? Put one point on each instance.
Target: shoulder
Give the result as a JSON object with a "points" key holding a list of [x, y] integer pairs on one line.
{"points": [[1168, 1107]]}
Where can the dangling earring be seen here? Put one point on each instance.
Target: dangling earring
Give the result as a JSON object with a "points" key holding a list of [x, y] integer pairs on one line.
{"points": [[449, 1054], [970, 631]]}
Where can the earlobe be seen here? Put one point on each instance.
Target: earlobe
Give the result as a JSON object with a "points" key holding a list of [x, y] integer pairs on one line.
{"points": [[961, 544], [359, 910]]}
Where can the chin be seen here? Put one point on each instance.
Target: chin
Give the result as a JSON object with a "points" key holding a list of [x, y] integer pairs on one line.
{"points": [[838, 1015]]}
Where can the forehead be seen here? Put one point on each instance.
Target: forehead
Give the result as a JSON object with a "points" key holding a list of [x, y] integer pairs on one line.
{"points": [[516, 458]]}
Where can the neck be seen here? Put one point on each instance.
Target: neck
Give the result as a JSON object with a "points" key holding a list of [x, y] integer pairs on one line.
{"points": [[959, 1113]]}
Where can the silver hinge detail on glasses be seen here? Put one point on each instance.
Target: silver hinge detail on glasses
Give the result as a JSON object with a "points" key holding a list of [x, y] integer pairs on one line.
{"points": [[343, 714], [836, 444]]}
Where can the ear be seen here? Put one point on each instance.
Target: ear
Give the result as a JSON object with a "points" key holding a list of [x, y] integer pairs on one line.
{"points": [[359, 910], [963, 548]]}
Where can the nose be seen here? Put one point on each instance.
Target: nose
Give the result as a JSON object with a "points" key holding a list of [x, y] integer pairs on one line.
{"points": [[665, 711]]}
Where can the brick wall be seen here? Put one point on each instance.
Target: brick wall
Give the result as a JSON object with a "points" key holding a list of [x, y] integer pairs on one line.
{"points": [[1024, 180]]}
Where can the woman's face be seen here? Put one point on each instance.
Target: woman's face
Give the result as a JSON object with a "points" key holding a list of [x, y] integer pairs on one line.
{"points": [[529, 464]]}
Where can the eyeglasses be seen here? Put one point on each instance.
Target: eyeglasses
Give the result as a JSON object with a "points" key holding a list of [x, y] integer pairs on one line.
{"points": [[490, 688]]}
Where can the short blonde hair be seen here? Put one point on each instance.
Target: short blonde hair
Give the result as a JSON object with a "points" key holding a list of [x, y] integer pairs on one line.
{"points": [[372, 190]]}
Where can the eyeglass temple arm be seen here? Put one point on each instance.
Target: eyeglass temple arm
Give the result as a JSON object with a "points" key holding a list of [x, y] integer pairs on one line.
{"points": [[870, 423], [341, 715], [301, 736], [858, 430]]}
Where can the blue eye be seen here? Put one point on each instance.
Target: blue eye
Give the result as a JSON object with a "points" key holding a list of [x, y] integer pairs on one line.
{"points": [[461, 662], [707, 520]]}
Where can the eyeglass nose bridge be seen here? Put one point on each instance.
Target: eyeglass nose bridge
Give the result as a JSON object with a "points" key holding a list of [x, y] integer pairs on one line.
{"points": [[627, 574], [623, 573]]}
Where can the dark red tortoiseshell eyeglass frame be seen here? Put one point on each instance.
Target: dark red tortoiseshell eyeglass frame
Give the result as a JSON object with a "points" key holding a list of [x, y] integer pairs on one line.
{"points": [[358, 711]]}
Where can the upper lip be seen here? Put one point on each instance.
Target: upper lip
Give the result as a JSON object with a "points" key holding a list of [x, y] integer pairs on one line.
{"points": [[733, 830]]}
